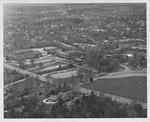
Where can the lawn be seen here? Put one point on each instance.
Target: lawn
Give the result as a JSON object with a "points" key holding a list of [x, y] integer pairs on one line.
{"points": [[129, 87]]}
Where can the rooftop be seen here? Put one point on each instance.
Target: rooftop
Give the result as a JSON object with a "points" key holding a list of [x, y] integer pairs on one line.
{"points": [[22, 51], [50, 48]]}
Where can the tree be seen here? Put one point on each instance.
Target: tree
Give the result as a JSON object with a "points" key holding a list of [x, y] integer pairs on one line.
{"points": [[80, 75], [7, 58], [41, 64], [21, 63], [89, 115], [32, 61], [52, 92], [77, 102], [139, 109], [60, 67], [132, 113], [90, 73], [30, 106], [91, 80], [64, 86], [59, 88], [115, 63], [54, 111]]}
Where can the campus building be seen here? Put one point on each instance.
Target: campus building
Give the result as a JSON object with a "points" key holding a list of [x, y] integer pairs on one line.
{"points": [[25, 54], [71, 54], [52, 50]]}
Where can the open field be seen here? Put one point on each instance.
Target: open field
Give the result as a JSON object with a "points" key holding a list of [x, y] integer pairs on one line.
{"points": [[66, 74], [130, 87]]}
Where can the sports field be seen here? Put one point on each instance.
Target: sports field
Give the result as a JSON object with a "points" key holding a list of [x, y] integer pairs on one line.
{"points": [[129, 87]]}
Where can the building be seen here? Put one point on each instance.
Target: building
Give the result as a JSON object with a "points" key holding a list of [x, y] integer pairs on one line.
{"points": [[25, 54], [83, 46], [23, 51], [52, 50], [62, 54], [73, 54], [64, 46]]}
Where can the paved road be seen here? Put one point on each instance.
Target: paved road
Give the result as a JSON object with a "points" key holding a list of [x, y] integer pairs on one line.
{"points": [[127, 72], [16, 82], [36, 76]]}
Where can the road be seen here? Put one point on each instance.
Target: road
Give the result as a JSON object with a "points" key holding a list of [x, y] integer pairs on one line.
{"points": [[127, 72], [15, 82], [33, 75]]}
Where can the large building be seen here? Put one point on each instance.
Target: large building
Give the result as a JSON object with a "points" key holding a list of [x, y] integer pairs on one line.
{"points": [[63, 45], [62, 54], [84, 46], [51, 49], [71, 54], [25, 54]]}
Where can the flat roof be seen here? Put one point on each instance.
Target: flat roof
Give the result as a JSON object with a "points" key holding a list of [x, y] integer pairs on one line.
{"points": [[22, 51], [50, 48]]}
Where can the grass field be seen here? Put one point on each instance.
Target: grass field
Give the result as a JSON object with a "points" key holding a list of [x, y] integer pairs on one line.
{"points": [[130, 87]]}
